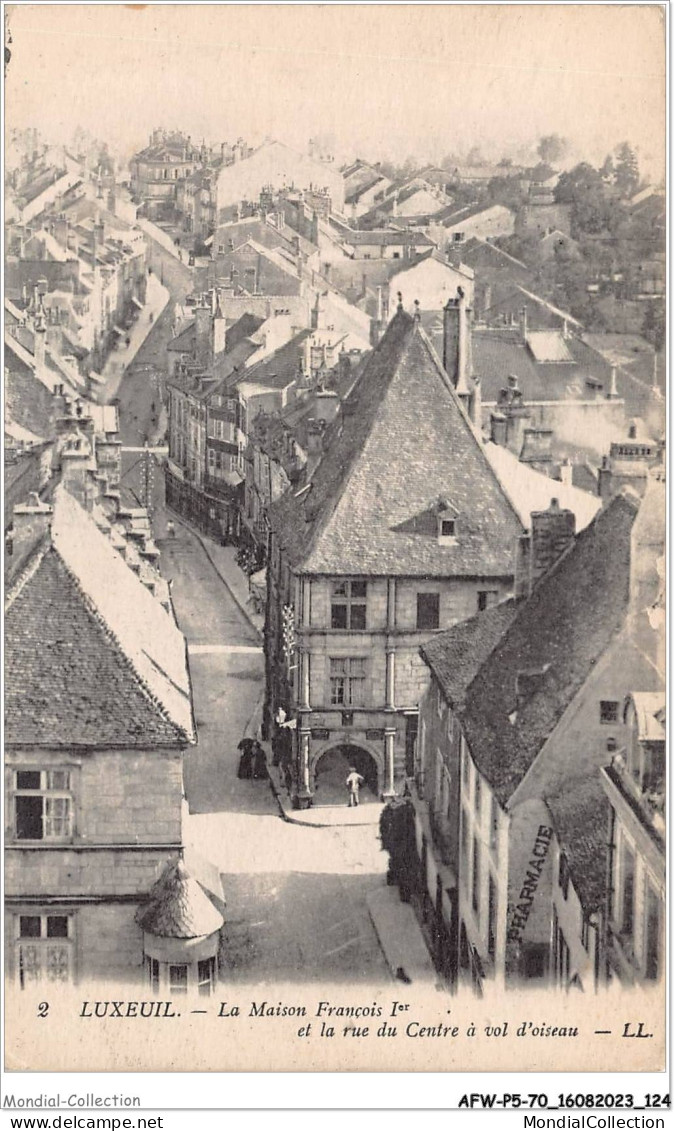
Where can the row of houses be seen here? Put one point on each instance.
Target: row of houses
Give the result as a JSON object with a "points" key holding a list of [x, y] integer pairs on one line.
{"points": [[537, 799], [98, 718]]}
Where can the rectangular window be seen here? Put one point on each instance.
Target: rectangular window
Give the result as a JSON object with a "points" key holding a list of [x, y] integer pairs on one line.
{"points": [[42, 805], [152, 973], [44, 949], [428, 610], [178, 979], [349, 604], [494, 825], [465, 849], [206, 976], [563, 877], [492, 924], [476, 876], [608, 711], [447, 528], [486, 598], [347, 681], [627, 889], [652, 939]]}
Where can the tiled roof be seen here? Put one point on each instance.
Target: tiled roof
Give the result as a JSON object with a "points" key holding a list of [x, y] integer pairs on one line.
{"points": [[280, 369], [498, 353], [178, 907], [91, 657], [455, 656], [244, 327], [404, 443], [184, 341], [384, 237], [567, 623], [580, 814]]}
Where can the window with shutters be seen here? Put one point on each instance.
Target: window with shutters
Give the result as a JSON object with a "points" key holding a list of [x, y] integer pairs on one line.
{"points": [[44, 948], [43, 805]]}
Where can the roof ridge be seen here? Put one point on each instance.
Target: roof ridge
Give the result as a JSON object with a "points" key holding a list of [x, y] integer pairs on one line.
{"points": [[30, 567]]}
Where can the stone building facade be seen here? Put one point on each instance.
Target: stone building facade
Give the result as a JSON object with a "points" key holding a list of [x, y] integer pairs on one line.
{"points": [[393, 538]]}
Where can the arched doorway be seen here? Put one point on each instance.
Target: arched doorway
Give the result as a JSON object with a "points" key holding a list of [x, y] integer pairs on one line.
{"points": [[331, 770]]}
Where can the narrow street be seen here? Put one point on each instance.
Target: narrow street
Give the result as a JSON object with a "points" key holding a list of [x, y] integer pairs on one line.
{"points": [[295, 895]]}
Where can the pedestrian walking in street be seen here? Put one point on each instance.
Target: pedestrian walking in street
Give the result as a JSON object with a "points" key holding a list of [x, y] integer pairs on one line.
{"points": [[259, 763], [171, 528], [353, 784], [245, 771]]}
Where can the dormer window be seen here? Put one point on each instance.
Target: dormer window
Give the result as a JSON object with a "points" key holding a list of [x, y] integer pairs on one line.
{"points": [[447, 522]]}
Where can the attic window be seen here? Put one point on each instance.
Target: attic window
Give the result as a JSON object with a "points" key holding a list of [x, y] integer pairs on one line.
{"points": [[447, 522]]}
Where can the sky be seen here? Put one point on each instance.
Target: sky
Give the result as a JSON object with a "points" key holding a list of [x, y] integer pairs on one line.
{"points": [[373, 80]]}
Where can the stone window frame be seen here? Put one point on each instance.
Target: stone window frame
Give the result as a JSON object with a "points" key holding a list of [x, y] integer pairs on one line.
{"points": [[349, 681], [424, 597], [49, 792], [349, 602], [53, 954]]}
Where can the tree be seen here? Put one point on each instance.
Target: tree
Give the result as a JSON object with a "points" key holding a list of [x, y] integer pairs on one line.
{"points": [[654, 325], [552, 148], [626, 169], [475, 156]]}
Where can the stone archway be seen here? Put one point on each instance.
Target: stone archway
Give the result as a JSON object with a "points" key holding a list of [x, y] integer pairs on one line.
{"points": [[330, 768]]}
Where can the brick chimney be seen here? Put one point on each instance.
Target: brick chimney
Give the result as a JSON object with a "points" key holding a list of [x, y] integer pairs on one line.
{"points": [[511, 404], [30, 522], [522, 585], [457, 344], [604, 478], [552, 531], [524, 324], [537, 448], [203, 344], [76, 458]]}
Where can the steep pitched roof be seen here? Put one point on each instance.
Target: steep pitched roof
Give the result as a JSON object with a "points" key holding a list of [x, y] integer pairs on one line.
{"points": [[455, 656], [91, 657], [560, 631], [580, 815], [404, 442], [278, 370]]}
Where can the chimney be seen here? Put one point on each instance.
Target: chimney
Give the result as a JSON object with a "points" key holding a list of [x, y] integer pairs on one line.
{"points": [[40, 343], [60, 231], [552, 531], [537, 448], [523, 565], [476, 404], [394, 207], [456, 351], [523, 324], [612, 394], [498, 429], [30, 522], [566, 473], [203, 351], [604, 477], [76, 456], [219, 328]]}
